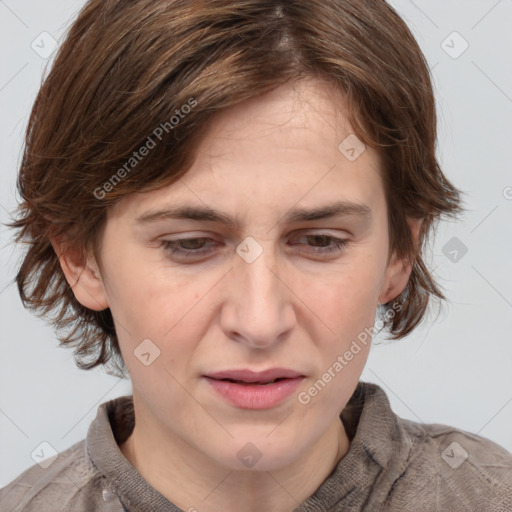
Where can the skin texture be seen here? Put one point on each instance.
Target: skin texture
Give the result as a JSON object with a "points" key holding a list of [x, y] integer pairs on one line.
{"points": [[293, 307]]}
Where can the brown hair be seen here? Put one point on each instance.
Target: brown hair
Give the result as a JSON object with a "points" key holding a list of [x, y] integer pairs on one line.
{"points": [[125, 73]]}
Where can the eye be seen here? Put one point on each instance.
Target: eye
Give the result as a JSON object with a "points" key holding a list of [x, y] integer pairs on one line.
{"points": [[188, 247], [324, 243]]}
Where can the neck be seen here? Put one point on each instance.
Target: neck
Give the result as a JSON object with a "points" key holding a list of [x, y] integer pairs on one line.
{"points": [[191, 481]]}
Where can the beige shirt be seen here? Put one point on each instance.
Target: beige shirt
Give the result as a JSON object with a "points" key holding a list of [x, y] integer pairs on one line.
{"points": [[393, 465]]}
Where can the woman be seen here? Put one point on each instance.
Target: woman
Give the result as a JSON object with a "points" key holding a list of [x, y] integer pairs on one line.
{"points": [[219, 198]]}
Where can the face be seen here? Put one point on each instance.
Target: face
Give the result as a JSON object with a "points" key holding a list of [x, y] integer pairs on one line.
{"points": [[255, 282]]}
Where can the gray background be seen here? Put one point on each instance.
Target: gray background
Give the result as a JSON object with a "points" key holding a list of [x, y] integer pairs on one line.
{"points": [[455, 369]]}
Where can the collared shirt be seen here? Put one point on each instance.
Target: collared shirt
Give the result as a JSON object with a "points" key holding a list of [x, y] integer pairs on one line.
{"points": [[392, 465]]}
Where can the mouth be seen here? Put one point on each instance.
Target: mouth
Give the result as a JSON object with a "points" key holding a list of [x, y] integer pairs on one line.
{"points": [[246, 389], [261, 383], [246, 376]]}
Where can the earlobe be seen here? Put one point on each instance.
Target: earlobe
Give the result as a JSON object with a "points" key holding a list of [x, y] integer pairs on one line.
{"points": [[397, 277], [399, 269], [83, 276]]}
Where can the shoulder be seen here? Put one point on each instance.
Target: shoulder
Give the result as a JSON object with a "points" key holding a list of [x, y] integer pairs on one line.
{"points": [[70, 482], [453, 470]]}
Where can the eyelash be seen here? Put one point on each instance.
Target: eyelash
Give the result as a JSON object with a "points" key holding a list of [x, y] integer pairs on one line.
{"points": [[172, 246]]}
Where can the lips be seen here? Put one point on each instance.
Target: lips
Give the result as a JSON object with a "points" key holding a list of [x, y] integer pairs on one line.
{"points": [[246, 389], [250, 377]]}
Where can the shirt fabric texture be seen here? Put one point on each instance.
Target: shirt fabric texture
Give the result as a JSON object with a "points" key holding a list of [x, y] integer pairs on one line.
{"points": [[393, 465]]}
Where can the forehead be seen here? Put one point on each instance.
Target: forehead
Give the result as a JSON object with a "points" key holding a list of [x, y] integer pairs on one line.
{"points": [[304, 115], [282, 148]]}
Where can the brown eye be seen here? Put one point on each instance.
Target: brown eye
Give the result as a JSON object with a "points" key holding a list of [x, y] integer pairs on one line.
{"points": [[324, 243], [187, 246]]}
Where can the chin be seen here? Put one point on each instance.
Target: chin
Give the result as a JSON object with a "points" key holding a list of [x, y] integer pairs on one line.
{"points": [[257, 455]]}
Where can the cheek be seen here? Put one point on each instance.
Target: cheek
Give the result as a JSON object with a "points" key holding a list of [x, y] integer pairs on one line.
{"points": [[142, 298], [347, 301], [154, 302]]}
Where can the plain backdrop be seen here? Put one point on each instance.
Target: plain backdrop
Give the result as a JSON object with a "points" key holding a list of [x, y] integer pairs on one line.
{"points": [[456, 369]]}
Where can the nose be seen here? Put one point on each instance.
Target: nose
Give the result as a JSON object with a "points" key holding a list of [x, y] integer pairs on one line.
{"points": [[258, 308]]}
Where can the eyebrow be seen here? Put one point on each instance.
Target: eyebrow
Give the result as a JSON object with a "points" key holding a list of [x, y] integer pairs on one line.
{"points": [[204, 213]]}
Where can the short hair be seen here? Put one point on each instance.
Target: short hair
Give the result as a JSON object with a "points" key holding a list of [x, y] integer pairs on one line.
{"points": [[160, 70]]}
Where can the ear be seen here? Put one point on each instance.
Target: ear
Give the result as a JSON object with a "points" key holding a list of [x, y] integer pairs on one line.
{"points": [[399, 270], [83, 275]]}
